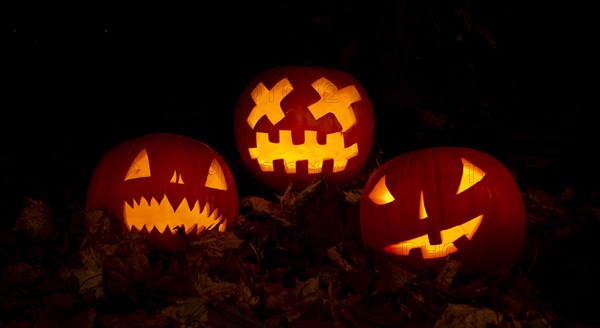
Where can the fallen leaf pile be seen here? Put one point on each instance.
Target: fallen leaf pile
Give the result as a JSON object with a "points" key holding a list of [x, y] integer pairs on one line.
{"points": [[293, 261]]}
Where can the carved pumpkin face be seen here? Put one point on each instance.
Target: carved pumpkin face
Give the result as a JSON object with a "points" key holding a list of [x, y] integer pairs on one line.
{"points": [[424, 206], [294, 124], [163, 181]]}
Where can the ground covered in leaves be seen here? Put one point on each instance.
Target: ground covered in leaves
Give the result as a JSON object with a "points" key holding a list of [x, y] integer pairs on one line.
{"points": [[291, 260], [508, 78]]}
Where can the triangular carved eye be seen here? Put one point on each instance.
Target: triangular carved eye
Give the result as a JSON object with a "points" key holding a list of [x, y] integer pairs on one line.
{"points": [[380, 194], [176, 178], [140, 167], [422, 211], [470, 176], [216, 178]]}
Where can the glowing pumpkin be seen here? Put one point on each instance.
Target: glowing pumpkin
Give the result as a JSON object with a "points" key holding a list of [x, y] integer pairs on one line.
{"points": [[294, 124], [424, 206], [161, 181]]}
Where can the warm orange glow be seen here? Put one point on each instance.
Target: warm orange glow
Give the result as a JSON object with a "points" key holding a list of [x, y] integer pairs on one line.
{"points": [[335, 101], [176, 178], [163, 216], [380, 194], [338, 102], [422, 211], [154, 214], [470, 176], [140, 167], [216, 177], [445, 248], [266, 152], [267, 102]]}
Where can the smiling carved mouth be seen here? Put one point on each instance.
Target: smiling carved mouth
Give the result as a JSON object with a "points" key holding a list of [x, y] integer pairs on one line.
{"points": [[162, 216], [266, 152], [445, 248]]}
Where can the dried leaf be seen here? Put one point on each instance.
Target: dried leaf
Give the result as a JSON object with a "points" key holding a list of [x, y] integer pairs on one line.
{"points": [[22, 273], [444, 278], [472, 290], [214, 243], [214, 290], [130, 258], [336, 256], [353, 196], [277, 297], [545, 204], [308, 291], [35, 219], [245, 298], [288, 199], [392, 278], [293, 201], [543, 323], [224, 315], [97, 245], [520, 297], [262, 206], [229, 240], [308, 193], [99, 242], [90, 279], [465, 316], [357, 254], [136, 319], [189, 311]]}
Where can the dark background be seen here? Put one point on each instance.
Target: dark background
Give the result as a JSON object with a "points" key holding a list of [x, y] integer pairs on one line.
{"points": [[514, 78], [511, 78]]}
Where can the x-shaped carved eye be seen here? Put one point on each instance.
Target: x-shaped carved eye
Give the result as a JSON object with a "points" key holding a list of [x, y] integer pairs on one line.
{"points": [[268, 102], [335, 101]]}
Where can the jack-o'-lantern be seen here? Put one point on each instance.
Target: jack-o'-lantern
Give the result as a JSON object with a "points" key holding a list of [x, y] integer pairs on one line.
{"points": [[428, 205], [160, 182], [294, 124]]}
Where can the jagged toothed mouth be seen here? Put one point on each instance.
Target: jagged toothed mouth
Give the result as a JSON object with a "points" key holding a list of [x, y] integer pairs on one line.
{"points": [[445, 248], [266, 152], [162, 216]]}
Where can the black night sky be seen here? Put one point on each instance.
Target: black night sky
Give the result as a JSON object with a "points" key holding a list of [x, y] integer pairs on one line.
{"points": [[502, 76], [513, 78]]}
